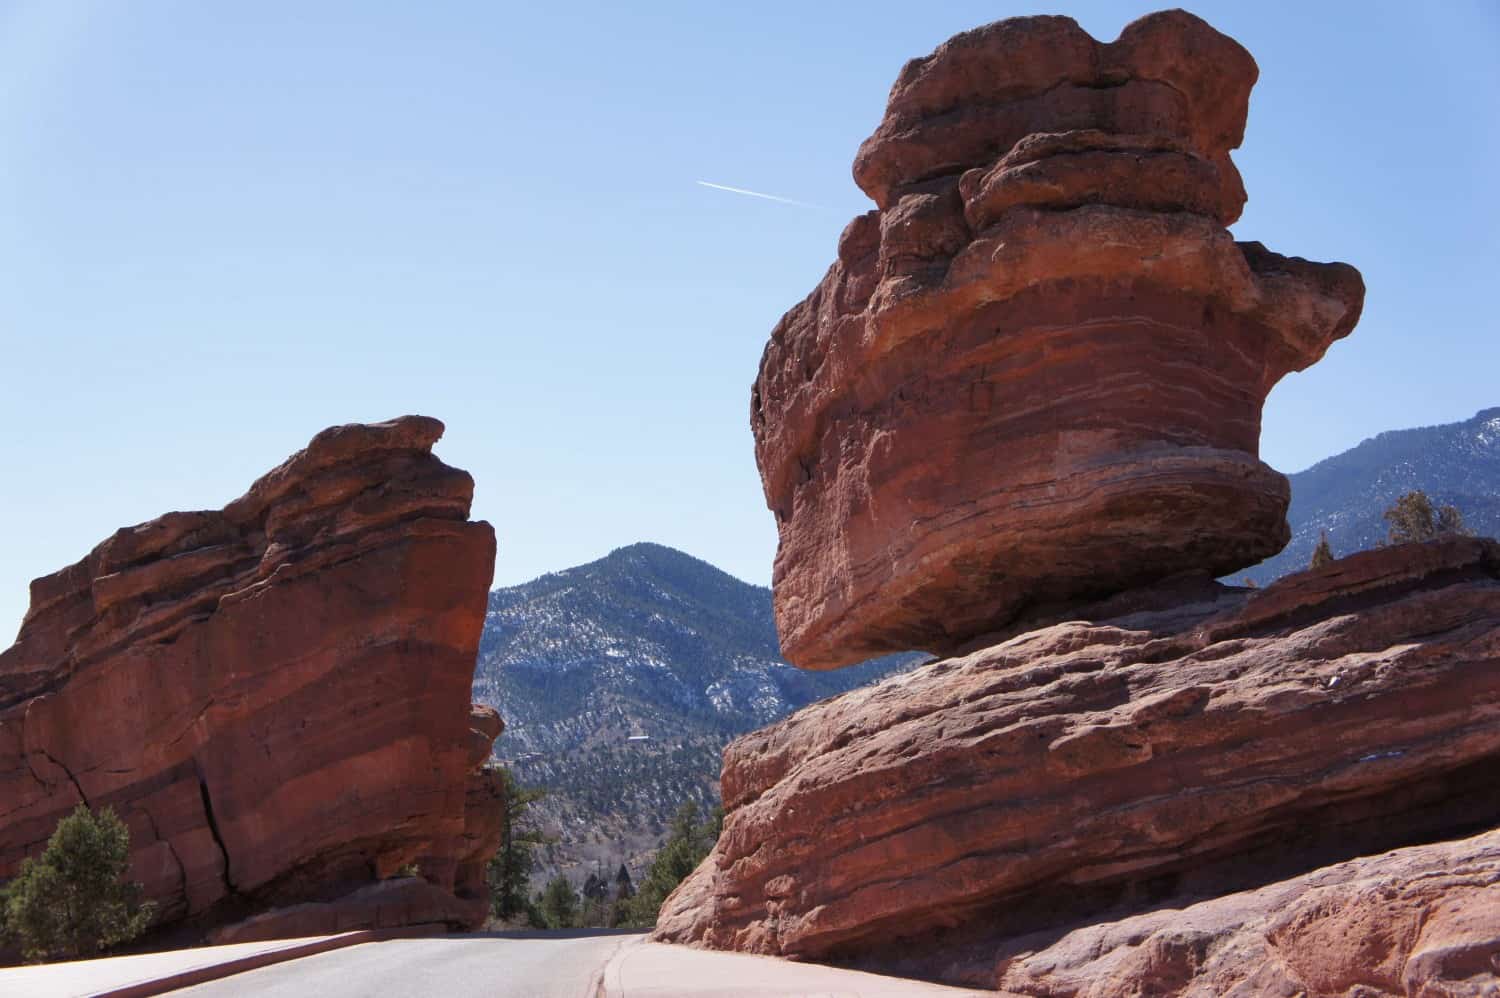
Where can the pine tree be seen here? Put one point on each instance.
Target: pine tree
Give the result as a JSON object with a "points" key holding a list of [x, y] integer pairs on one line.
{"points": [[509, 872], [618, 908], [1323, 553], [1450, 521], [686, 846], [1413, 518], [72, 902], [596, 911], [595, 887], [559, 904]]}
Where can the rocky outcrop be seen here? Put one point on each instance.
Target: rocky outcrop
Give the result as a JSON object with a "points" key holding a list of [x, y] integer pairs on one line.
{"points": [[387, 904], [1035, 373], [274, 696], [1196, 743], [1421, 921], [1017, 424]]}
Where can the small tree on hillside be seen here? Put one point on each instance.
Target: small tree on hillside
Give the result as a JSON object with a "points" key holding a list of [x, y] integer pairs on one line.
{"points": [[1413, 518], [559, 904], [687, 845], [624, 888], [71, 902], [1323, 553], [509, 872], [596, 904], [619, 904]]}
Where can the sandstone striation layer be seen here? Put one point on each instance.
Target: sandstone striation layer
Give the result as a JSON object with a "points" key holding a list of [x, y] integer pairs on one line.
{"points": [[1182, 749], [273, 696], [1421, 921], [1035, 373]]}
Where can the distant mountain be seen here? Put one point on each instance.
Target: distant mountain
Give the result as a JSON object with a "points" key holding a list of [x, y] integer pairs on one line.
{"points": [[621, 680], [1457, 463]]}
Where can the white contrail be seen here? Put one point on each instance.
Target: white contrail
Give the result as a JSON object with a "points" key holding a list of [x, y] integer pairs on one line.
{"points": [[755, 194]]}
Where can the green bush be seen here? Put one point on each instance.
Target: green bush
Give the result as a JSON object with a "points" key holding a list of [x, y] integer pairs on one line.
{"points": [[72, 902]]}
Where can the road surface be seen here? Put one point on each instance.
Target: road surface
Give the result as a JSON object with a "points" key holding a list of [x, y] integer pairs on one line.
{"points": [[488, 964]]}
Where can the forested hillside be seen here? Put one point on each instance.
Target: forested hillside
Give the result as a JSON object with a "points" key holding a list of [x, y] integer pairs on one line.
{"points": [[621, 680]]}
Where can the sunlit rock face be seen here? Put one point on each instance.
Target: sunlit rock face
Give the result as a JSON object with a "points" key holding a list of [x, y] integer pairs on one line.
{"points": [[1035, 373], [1017, 424], [1151, 801], [274, 696]]}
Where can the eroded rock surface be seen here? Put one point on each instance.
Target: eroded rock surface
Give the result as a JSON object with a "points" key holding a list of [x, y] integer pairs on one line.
{"points": [[1194, 750], [1035, 373], [386, 904], [1420, 921], [274, 696]]}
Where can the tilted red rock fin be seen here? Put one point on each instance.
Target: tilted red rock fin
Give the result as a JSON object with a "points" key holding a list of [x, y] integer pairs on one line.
{"points": [[275, 696]]}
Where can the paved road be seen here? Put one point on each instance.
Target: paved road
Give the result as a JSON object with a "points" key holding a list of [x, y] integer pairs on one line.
{"points": [[491, 964]]}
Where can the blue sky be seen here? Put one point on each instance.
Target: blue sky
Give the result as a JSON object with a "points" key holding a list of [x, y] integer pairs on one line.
{"points": [[227, 226]]}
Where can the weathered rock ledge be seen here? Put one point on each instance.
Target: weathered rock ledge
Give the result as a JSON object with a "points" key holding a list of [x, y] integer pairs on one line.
{"points": [[1158, 757], [1420, 921], [274, 696]]}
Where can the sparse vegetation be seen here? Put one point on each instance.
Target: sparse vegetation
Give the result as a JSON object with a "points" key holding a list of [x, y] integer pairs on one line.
{"points": [[596, 901], [510, 870], [1346, 495], [558, 904], [1323, 553], [72, 901], [689, 842], [1414, 518]]}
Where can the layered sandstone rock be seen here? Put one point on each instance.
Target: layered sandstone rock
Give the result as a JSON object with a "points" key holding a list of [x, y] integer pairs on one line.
{"points": [[274, 696], [1035, 373], [1017, 424], [1421, 921], [1191, 747], [386, 904]]}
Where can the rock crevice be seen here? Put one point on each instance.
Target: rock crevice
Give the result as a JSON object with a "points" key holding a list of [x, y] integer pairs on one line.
{"points": [[213, 830]]}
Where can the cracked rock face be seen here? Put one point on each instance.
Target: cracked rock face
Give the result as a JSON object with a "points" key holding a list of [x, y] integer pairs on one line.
{"points": [[1017, 808], [1035, 372], [273, 696]]}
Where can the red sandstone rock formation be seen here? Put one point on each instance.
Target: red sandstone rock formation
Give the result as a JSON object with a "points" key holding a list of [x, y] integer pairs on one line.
{"points": [[1017, 423], [273, 696], [1170, 753], [385, 904], [1034, 374], [1421, 921]]}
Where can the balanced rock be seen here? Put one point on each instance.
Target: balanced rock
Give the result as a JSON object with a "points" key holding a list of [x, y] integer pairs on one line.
{"points": [[1191, 750], [275, 696], [1035, 373]]}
